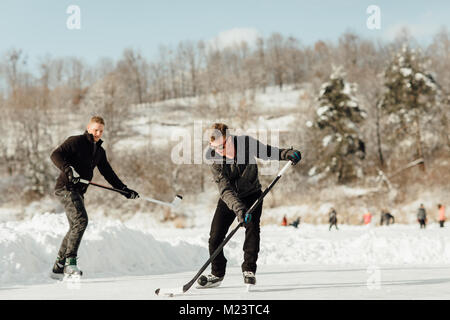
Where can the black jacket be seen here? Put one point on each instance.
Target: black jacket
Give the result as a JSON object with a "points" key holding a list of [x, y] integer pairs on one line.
{"points": [[78, 152], [238, 178]]}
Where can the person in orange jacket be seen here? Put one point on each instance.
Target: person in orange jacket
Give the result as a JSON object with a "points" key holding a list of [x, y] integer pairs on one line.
{"points": [[367, 217], [441, 209], [284, 222]]}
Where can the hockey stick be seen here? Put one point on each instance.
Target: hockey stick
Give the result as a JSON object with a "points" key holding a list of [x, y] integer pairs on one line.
{"points": [[188, 285], [172, 204]]}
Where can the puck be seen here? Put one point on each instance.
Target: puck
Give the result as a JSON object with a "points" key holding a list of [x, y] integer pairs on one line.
{"points": [[202, 280]]}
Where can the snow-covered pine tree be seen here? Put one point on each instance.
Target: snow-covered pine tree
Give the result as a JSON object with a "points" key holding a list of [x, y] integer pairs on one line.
{"points": [[411, 92], [337, 122]]}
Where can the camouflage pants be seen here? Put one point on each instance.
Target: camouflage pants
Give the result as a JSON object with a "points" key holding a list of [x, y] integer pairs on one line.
{"points": [[73, 203]]}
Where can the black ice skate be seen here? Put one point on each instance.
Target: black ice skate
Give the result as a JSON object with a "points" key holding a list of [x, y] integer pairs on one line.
{"points": [[209, 281], [249, 277], [58, 269]]}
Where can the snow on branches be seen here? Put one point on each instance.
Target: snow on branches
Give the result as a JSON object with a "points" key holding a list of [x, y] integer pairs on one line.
{"points": [[411, 95], [337, 122]]}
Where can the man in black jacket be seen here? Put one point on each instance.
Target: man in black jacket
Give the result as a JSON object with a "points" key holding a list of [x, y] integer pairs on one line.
{"points": [[77, 158], [235, 172], [332, 219], [386, 218]]}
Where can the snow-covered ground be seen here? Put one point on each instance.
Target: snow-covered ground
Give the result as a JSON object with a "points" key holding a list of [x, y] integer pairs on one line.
{"points": [[130, 260]]}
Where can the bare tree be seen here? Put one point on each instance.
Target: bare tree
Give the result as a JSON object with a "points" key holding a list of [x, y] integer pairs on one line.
{"points": [[76, 75], [277, 65], [134, 68], [13, 63], [192, 55]]}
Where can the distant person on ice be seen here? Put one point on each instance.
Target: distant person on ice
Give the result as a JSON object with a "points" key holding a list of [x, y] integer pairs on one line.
{"points": [[332, 219], [235, 172], [422, 216], [284, 221], [367, 217], [386, 218], [441, 217], [76, 158], [295, 223]]}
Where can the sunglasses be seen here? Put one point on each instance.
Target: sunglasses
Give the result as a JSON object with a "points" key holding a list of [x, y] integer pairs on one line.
{"points": [[220, 147]]}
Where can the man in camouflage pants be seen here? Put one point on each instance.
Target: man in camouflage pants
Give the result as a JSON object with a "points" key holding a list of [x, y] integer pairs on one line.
{"points": [[77, 158]]}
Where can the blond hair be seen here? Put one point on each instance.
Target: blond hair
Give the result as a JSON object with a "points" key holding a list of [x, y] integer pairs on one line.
{"points": [[97, 119]]}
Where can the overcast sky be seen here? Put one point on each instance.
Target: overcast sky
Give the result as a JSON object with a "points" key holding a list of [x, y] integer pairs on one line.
{"points": [[109, 26]]}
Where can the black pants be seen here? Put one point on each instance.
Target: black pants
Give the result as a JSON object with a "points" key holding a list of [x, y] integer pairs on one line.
{"points": [[333, 224], [441, 223], [223, 218], [73, 203], [422, 222]]}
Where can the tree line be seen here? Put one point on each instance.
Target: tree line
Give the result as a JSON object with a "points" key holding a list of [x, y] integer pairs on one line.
{"points": [[38, 100]]}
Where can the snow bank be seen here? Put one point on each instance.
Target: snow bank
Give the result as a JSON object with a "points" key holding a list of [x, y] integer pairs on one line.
{"points": [[355, 245], [350, 245], [28, 250], [111, 248]]}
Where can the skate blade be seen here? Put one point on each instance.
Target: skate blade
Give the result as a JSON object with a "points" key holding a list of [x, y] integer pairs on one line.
{"points": [[212, 285], [57, 276], [72, 278]]}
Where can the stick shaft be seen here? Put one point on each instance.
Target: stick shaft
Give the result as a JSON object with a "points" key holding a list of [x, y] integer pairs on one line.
{"points": [[105, 187], [124, 192], [157, 201]]}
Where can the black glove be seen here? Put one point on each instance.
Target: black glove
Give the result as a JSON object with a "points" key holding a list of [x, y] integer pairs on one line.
{"points": [[72, 176], [130, 194], [243, 217], [293, 155]]}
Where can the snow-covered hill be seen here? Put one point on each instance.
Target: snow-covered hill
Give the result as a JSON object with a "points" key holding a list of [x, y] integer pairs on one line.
{"points": [[156, 123]]}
